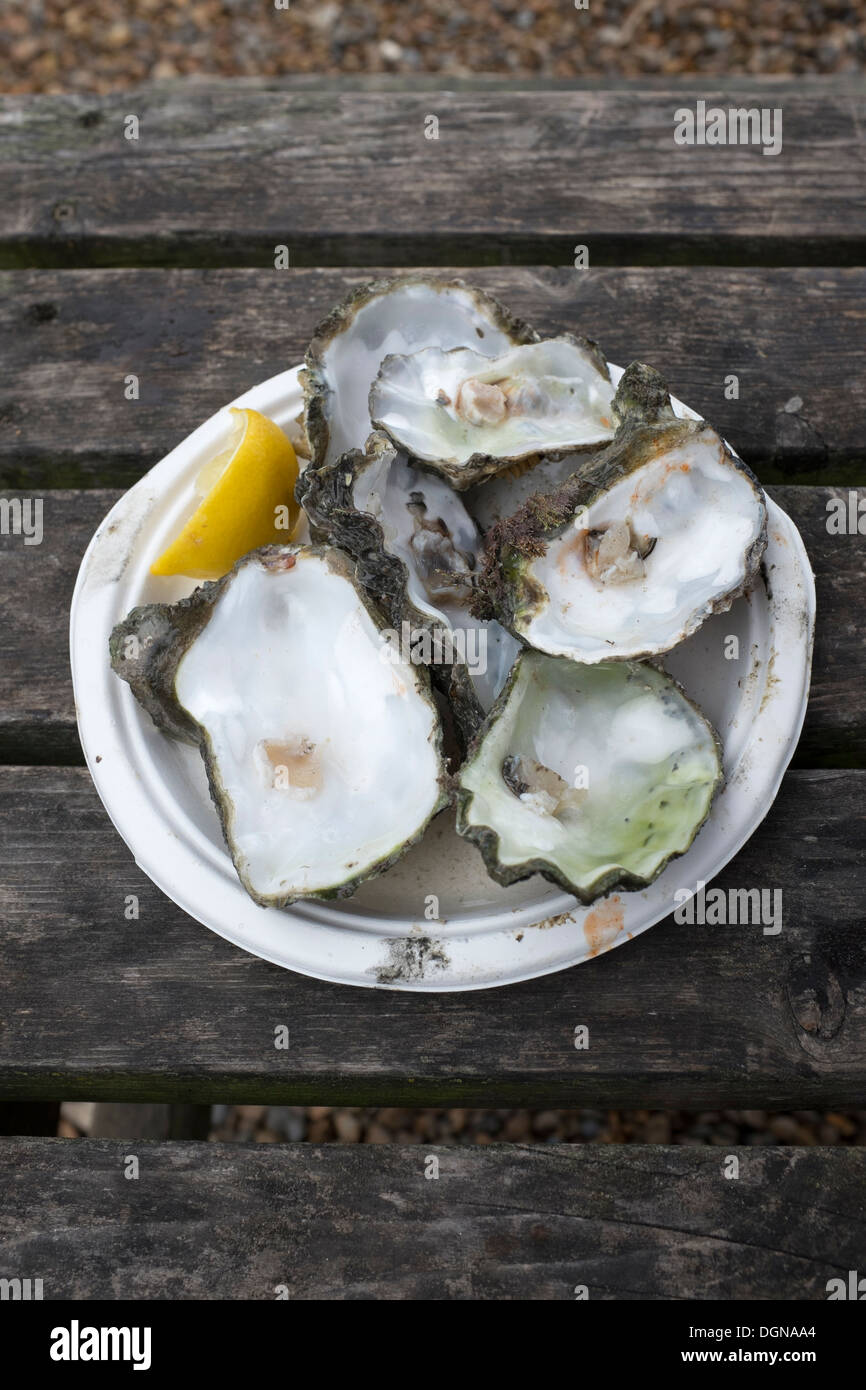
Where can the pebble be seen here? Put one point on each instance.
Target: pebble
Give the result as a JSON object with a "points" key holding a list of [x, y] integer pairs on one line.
{"points": [[424, 1124], [784, 1128], [516, 1129], [489, 1122], [348, 1126], [755, 1118], [844, 1123], [250, 1114], [319, 1131], [289, 1121], [296, 1126], [545, 1122], [377, 1134], [658, 1129], [393, 1118]]}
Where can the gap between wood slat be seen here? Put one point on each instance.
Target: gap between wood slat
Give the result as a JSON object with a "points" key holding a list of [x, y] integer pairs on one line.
{"points": [[225, 251]]}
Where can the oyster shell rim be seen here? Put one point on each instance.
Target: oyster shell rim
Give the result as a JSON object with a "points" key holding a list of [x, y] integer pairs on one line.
{"points": [[158, 698], [486, 839], [480, 467]]}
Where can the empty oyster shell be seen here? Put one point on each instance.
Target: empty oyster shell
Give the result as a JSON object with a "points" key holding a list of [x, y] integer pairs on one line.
{"points": [[467, 415], [303, 715], [592, 776], [632, 553], [390, 316]]}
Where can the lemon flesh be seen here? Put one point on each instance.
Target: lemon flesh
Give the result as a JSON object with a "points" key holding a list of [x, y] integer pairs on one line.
{"points": [[248, 500]]}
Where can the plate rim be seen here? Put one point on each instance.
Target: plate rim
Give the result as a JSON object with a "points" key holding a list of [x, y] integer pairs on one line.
{"points": [[432, 978]]}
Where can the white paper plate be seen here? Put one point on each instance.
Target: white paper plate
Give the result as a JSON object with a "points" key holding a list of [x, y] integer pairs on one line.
{"points": [[156, 794]]}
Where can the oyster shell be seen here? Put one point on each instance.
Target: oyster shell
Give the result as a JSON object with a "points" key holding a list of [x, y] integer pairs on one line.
{"points": [[497, 498], [467, 415], [635, 550], [390, 316], [417, 552], [592, 776], [279, 673]]}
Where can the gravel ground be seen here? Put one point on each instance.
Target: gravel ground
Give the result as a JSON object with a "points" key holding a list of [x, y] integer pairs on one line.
{"points": [[320, 1124], [103, 45]]}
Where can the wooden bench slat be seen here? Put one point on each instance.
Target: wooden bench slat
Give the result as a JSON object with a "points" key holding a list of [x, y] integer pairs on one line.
{"points": [[99, 1007], [220, 174], [220, 1221], [37, 718], [197, 339]]}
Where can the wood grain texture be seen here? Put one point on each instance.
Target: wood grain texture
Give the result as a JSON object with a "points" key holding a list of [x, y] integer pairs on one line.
{"points": [[217, 1221], [99, 1007], [37, 718], [222, 173], [196, 339]]}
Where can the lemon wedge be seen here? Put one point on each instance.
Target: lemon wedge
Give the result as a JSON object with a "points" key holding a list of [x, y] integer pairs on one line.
{"points": [[247, 499]]}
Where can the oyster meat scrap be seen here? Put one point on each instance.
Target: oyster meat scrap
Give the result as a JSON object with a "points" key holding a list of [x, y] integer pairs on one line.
{"points": [[417, 551], [637, 548], [467, 415], [323, 752], [385, 317], [593, 776]]}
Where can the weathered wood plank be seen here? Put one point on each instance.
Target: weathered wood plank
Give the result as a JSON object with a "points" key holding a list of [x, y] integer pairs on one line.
{"points": [[220, 174], [216, 1221], [37, 718], [196, 339], [98, 1007]]}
